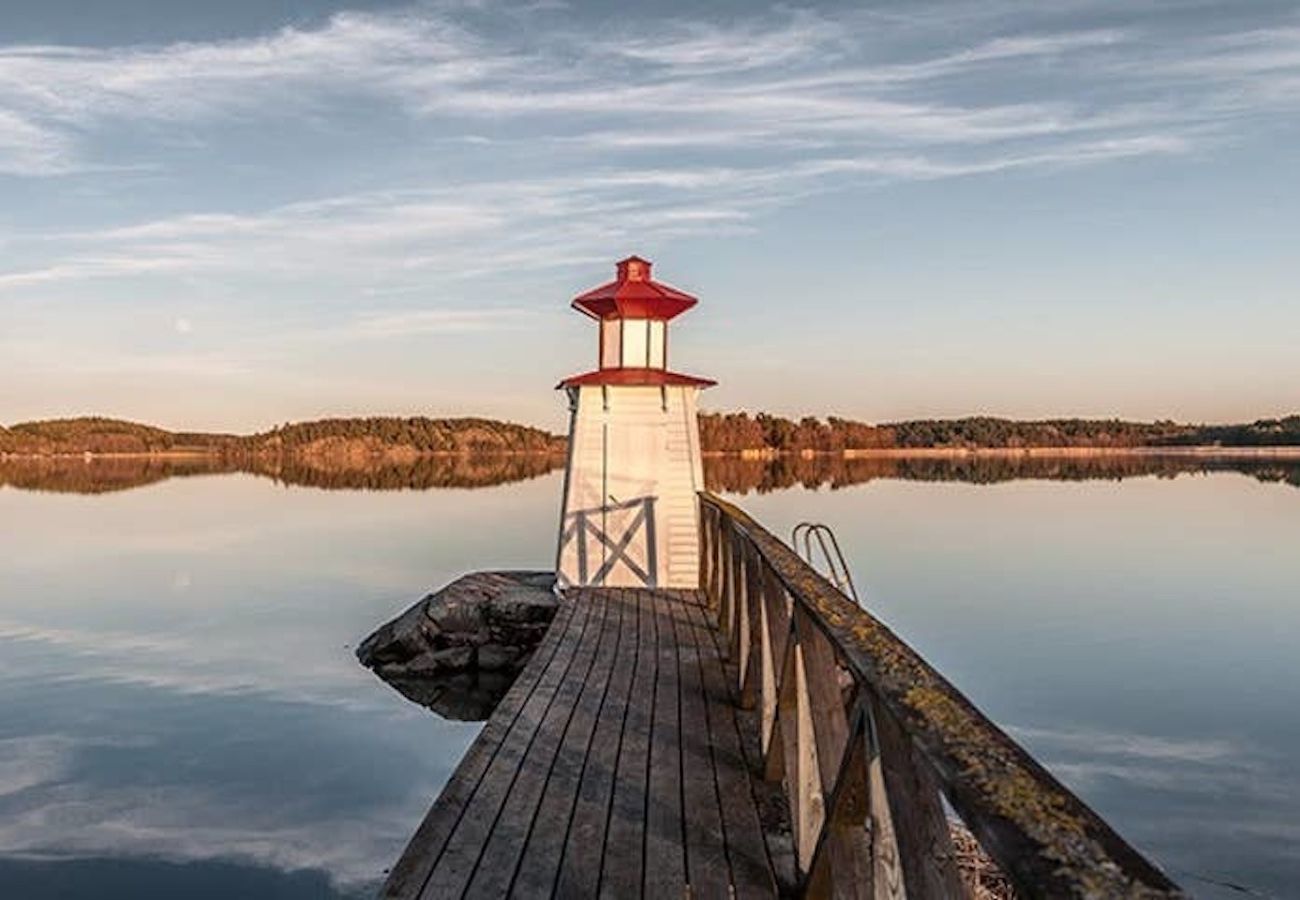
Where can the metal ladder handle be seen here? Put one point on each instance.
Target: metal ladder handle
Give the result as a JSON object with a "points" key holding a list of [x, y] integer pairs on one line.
{"points": [[839, 556], [832, 554]]}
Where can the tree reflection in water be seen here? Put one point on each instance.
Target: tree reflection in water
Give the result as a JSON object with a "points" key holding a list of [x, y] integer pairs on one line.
{"points": [[739, 475], [728, 474]]}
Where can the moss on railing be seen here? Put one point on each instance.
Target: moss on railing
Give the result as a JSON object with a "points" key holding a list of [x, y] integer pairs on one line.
{"points": [[1047, 840]]}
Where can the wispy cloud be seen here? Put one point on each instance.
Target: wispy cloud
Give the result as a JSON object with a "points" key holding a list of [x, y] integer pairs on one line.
{"points": [[436, 321], [777, 76], [457, 143]]}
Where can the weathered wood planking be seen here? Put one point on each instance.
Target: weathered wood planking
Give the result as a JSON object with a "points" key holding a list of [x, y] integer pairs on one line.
{"points": [[613, 768]]}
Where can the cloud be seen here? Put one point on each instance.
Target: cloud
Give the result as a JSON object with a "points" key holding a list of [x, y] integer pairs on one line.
{"points": [[436, 321], [550, 141], [1151, 748], [699, 48], [182, 824], [1200, 769], [776, 76], [27, 148], [66, 811], [28, 761]]}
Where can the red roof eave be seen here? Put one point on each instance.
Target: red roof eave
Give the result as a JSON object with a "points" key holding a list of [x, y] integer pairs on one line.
{"points": [[635, 378], [634, 299]]}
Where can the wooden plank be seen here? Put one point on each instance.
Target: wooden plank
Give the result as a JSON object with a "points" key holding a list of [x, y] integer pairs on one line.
{"points": [[706, 857], [624, 853], [617, 768], [455, 866], [751, 676], [776, 609], [426, 845], [824, 696], [746, 849], [920, 827], [542, 856], [842, 868], [581, 858], [665, 862], [505, 845], [810, 810]]}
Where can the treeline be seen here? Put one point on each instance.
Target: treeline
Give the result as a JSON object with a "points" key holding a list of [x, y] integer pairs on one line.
{"points": [[719, 432], [94, 434], [736, 432], [419, 434], [415, 435], [1261, 433]]}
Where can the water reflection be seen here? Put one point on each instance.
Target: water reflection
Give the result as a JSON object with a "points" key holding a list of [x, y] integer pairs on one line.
{"points": [[739, 475], [728, 474], [180, 705], [181, 714], [97, 475], [101, 475]]}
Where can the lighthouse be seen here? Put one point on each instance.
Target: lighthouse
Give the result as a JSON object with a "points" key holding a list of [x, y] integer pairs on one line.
{"points": [[630, 516]]}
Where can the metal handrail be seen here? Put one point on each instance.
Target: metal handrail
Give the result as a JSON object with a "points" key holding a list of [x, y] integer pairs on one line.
{"points": [[831, 553], [867, 736]]}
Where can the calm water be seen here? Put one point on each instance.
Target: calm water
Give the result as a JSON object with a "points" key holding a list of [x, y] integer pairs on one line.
{"points": [[181, 714]]}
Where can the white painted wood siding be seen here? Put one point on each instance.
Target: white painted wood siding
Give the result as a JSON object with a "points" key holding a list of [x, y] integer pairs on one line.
{"points": [[633, 452]]}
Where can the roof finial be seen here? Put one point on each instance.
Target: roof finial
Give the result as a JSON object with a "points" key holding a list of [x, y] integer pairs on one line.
{"points": [[634, 268]]}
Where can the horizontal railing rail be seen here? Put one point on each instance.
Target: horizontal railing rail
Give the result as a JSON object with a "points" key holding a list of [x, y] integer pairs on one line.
{"points": [[868, 739]]}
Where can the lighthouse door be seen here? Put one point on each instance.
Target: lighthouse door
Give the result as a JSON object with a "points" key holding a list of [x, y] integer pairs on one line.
{"points": [[632, 460]]}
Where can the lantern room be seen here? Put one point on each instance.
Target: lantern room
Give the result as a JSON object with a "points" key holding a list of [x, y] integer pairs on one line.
{"points": [[633, 312]]}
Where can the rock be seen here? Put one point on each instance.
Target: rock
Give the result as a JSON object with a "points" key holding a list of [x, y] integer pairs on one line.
{"points": [[467, 697], [498, 657], [520, 606], [458, 650], [431, 662], [458, 609], [401, 639]]}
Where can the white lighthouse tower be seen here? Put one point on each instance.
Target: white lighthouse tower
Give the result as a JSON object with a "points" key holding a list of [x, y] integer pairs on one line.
{"points": [[630, 516]]}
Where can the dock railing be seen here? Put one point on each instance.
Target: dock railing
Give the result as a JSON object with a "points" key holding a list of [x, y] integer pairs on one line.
{"points": [[868, 740]]}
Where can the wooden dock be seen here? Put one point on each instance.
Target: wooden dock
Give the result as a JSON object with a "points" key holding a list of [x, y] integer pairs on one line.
{"points": [[615, 767], [761, 736]]}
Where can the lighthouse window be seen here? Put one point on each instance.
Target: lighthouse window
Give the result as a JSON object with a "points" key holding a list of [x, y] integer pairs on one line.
{"points": [[657, 350], [636, 343], [610, 344]]}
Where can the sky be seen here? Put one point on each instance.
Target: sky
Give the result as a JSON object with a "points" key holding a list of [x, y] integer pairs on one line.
{"points": [[225, 216]]}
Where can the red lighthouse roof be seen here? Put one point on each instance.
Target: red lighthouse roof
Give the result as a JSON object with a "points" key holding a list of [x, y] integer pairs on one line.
{"points": [[633, 295]]}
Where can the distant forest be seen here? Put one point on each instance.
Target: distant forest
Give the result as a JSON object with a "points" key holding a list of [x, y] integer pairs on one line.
{"points": [[719, 432], [374, 435], [741, 431]]}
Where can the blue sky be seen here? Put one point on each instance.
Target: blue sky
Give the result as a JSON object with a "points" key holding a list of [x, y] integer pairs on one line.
{"points": [[229, 215]]}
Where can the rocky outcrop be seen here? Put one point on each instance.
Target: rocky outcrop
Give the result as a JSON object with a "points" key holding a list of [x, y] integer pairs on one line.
{"points": [[458, 651]]}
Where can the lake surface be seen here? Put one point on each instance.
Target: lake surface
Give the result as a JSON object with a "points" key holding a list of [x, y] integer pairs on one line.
{"points": [[181, 714]]}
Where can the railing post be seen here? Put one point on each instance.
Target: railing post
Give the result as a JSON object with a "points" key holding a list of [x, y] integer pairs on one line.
{"points": [[842, 866], [727, 545], [808, 772], [920, 828], [752, 674], [705, 513], [776, 629]]}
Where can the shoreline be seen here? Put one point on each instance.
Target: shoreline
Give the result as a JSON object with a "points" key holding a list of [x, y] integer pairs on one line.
{"points": [[1191, 452], [1281, 452], [236, 456]]}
